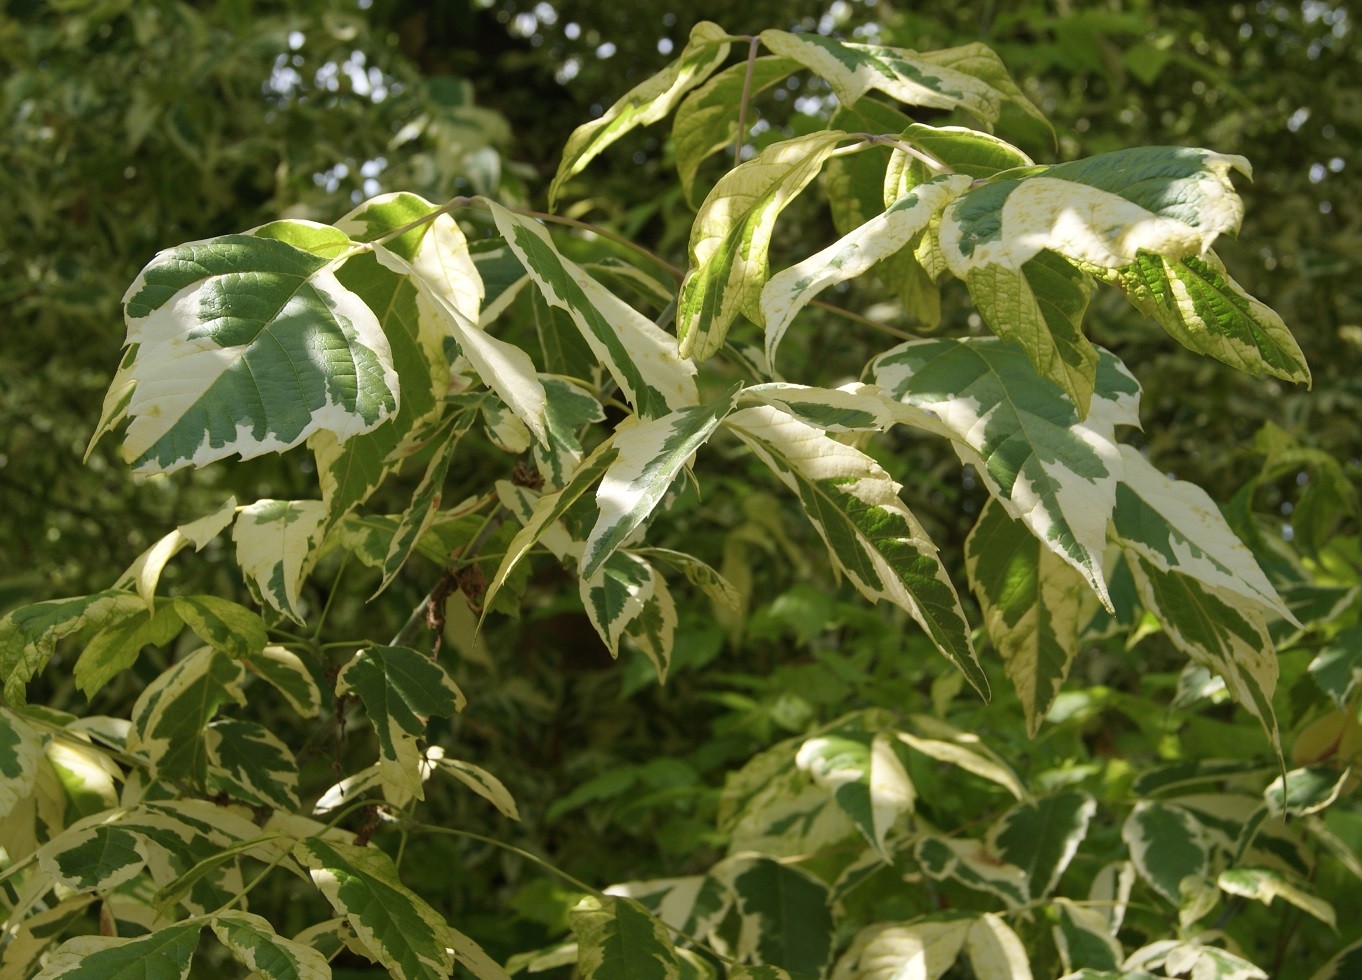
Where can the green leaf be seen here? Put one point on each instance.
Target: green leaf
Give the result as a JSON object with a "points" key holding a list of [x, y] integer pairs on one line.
{"points": [[924, 948], [1041, 836], [285, 671], [1168, 846], [276, 546], [852, 255], [866, 779], [1031, 600], [732, 233], [393, 923], [1265, 884], [640, 356], [29, 635], [1040, 306], [702, 576], [21, 750], [1098, 212], [1205, 310], [248, 762], [969, 77], [974, 865], [170, 718], [224, 625], [648, 456], [165, 954], [261, 950], [401, 689], [996, 952], [144, 573], [115, 648], [707, 121], [248, 345], [617, 939], [1337, 668], [645, 103], [784, 917], [1054, 472]]}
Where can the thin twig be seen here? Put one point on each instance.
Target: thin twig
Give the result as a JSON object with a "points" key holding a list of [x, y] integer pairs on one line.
{"points": [[742, 104]]}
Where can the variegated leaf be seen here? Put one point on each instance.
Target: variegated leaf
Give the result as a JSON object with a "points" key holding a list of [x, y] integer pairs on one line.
{"points": [[569, 408], [653, 630], [866, 779], [702, 576], [222, 624], [783, 913], [476, 778], [1056, 473], [969, 77], [617, 939], [1041, 836], [285, 671], [1100, 211], [165, 954], [996, 952], [1084, 937], [29, 635], [21, 750], [474, 958], [973, 865], [1264, 885], [248, 762], [854, 407], [732, 233], [276, 546], [170, 718], [248, 345], [1168, 846], [771, 807], [397, 927], [924, 948], [144, 573], [966, 151], [1176, 527], [1031, 600], [1191, 958], [615, 596], [852, 255], [640, 356], [694, 905], [401, 689], [1205, 310], [648, 456], [707, 121], [943, 742], [116, 647], [261, 950], [645, 103], [874, 539]]}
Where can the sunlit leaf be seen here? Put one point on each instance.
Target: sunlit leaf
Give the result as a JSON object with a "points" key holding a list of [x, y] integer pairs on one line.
{"points": [[259, 948], [618, 940], [1168, 846], [165, 954], [276, 547]]}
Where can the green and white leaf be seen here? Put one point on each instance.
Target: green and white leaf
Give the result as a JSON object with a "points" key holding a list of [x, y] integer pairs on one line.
{"points": [[974, 865], [866, 779], [947, 744], [784, 917], [648, 457], [144, 573], [398, 928], [476, 778], [248, 345], [851, 256], [1032, 602], [1169, 848], [1264, 885], [996, 952], [277, 543], [616, 595], [569, 409], [646, 103], [701, 575], [966, 151], [261, 950], [29, 635], [696, 905], [21, 750], [116, 647], [923, 949], [641, 357], [171, 715], [1190, 958], [732, 233], [771, 807], [1084, 937], [165, 954], [969, 77], [707, 121], [872, 537], [1099, 212], [474, 958], [222, 624], [248, 762], [400, 689], [618, 939], [285, 671], [1041, 836], [1054, 472], [1205, 310]]}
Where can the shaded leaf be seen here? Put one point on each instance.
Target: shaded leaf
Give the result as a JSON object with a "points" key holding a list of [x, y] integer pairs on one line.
{"points": [[617, 939]]}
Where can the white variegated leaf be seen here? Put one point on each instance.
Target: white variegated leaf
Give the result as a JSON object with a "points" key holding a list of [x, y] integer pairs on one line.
{"points": [[144, 573], [1264, 885], [1168, 847], [699, 574], [854, 407], [170, 950], [874, 539], [21, 749], [248, 762], [1056, 473], [617, 939], [653, 630], [277, 543], [695, 905], [866, 779], [640, 356], [732, 233], [473, 957], [285, 671], [784, 916], [974, 865], [222, 624], [1191, 958], [171, 715], [476, 778], [646, 103], [923, 950], [786, 293], [1084, 937], [29, 635], [996, 952], [268, 955], [1041, 836], [965, 750]]}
